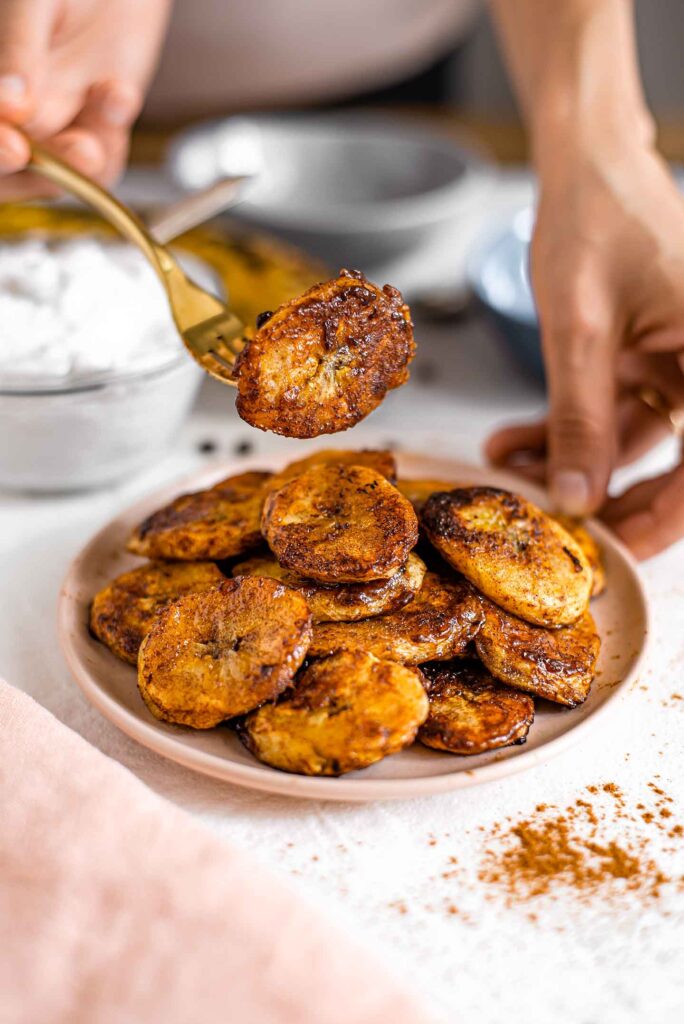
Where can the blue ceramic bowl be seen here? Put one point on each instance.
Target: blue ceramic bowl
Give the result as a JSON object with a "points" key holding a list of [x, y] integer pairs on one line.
{"points": [[499, 277]]}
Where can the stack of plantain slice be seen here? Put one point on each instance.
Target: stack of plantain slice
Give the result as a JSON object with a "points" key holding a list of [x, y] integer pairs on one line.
{"points": [[335, 614]]}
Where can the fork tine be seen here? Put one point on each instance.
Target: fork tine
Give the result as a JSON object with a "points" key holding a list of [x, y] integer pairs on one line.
{"points": [[228, 362], [228, 351], [220, 370]]}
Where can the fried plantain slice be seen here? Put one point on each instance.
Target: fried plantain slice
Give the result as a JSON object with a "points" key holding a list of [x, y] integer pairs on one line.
{"points": [[440, 622], [345, 602], [418, 491], [558, 664], [122, 613], [323, 361], [345, 713], [380, 460], [340, 524], [591, 549], [470, 712], [212, 656], [220, 522], [512, 551]]}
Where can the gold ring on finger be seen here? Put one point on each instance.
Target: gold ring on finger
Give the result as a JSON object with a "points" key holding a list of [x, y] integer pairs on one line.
{"points": [[657, 401]]}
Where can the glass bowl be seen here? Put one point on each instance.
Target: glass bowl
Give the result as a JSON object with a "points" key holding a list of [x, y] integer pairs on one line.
{"points": [[100, 428], [93, 433]]}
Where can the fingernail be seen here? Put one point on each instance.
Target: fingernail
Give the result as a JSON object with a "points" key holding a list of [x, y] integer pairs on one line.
{"points": [[12, 88], [571, 492]]}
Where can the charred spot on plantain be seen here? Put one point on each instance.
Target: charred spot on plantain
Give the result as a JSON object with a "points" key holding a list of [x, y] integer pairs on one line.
{"points": [[575, 560]]}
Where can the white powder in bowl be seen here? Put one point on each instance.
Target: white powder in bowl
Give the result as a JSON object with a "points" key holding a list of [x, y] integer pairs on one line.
{"points": [[74, 308], [91, 389]]}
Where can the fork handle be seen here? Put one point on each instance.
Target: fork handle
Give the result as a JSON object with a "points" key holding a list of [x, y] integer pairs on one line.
{"points": [[126, 222]]}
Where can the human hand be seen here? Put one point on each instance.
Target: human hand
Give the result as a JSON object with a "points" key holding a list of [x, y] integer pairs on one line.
{"points": [[607, 265], [73, 73]]}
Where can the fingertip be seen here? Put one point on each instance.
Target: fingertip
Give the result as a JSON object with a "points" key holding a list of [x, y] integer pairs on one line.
{"points": [[571, 492], [14, 151]]}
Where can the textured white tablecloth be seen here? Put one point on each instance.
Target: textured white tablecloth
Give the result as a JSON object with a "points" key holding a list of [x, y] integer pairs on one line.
{"points": [[384, 869]]}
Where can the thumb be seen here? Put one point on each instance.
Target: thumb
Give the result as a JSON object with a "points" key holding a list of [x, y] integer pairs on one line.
{"points": [[580, 363], [25, 31]]}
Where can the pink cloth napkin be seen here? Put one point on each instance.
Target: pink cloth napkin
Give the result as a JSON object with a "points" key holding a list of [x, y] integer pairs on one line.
{"points": [[116, 907]]}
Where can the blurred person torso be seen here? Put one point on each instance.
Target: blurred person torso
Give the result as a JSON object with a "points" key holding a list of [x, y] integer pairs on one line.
{"points": [[223, 55]]}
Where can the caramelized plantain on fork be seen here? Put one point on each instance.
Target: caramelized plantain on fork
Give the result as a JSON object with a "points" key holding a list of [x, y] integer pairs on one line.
{"points": [[325, 360]]}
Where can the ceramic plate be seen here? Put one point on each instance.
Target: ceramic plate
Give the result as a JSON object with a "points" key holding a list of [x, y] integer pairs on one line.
{"points": [[110, 685]]}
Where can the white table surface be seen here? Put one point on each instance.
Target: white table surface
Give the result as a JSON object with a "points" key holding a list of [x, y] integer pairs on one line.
{"points": [[379, 867]]}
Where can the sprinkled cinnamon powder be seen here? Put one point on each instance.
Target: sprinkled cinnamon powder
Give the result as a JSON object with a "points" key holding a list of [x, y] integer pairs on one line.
{"points": [[561, 849], [399, 906]]}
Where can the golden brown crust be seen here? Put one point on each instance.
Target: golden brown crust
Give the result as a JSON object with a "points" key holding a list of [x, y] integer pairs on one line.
{"points": [[591, 549], [418, 491], [381, 461], [209, 657], [123, 612], [558, 664], [470, 712], [344, 602], [440, 622], [512, 551], [345, 713], [340, 524], [220, 522], [323, 361]]}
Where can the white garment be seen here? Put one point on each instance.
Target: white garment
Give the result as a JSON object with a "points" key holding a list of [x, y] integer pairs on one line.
{"points": [[226, 54]]}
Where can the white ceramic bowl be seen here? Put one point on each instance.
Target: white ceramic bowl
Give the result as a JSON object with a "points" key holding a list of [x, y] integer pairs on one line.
{"points": [[351, 188]]}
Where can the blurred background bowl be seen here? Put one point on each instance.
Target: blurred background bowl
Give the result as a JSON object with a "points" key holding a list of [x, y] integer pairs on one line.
{"points": [[350, 188], [498, 275]]}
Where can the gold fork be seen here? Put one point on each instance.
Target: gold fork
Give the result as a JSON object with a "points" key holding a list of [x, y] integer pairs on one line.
{"points": [[213, 335]]}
